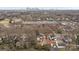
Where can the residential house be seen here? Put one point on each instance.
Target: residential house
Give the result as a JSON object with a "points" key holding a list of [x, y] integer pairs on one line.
{"points": [[47, 39]]}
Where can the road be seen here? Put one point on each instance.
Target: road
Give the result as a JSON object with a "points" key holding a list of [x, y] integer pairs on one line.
{"points": [[57, 49], [39, 22], [45, 22]]}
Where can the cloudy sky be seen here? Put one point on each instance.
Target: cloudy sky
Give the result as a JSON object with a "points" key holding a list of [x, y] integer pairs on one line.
{"points": [[56, 4]]}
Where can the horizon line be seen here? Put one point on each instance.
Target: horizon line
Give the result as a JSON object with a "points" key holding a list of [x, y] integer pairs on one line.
{"points": [[41, 8]]}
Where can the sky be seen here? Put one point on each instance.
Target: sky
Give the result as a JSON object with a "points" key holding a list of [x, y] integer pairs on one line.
{"points": [[44, 4]]}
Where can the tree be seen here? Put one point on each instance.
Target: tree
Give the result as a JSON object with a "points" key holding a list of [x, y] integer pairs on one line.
{"points": [[42, 48], [77, 40], [59, 31]]}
